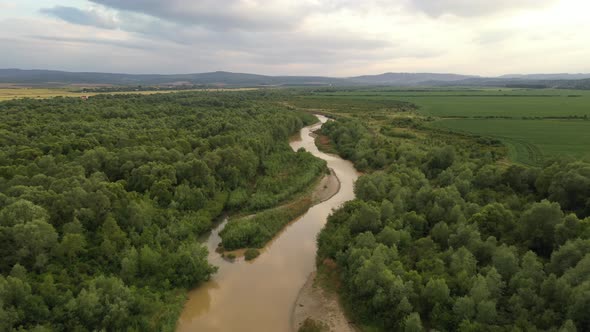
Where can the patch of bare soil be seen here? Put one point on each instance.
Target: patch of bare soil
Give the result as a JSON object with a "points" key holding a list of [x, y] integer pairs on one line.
{"points": [[328, 187], [321, 305]]}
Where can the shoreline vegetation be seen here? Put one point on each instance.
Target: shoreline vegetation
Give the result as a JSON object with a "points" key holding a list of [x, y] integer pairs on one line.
{"points": [[283, 215], [255, 231]]}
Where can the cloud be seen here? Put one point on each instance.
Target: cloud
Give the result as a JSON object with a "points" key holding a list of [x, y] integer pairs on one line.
{"points": [[248, 15], [474, 8], [240, 29], [495, 36], [297, 37], [7, 5], [166, 47], [93, 41], [82, 17]]}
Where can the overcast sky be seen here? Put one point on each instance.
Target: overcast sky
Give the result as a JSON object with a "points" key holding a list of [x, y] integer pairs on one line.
{"points": [[297, 37]]}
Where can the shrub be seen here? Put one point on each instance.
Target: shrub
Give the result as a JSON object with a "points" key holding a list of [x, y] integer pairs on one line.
{"points": [[310, 325], [251, 253]]}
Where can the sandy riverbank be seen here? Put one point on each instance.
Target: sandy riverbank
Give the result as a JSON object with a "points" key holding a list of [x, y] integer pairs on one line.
{"points": [[321, 305]]}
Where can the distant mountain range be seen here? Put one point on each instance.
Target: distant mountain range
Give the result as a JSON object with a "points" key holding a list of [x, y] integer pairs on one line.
{"points": [[563, 76], [407, 78], [221, 78]]}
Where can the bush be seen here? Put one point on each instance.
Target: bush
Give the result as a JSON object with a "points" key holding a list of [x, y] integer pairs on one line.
{"points": [[310, 325], [258, 230], [251, 253]]}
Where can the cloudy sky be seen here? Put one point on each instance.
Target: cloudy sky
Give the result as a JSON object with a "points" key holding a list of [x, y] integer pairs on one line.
{"points": [[297, 37]]}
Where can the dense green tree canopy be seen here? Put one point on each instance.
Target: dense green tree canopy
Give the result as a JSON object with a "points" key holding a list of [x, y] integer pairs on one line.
{"points": [[442, 237], [102, 200]]}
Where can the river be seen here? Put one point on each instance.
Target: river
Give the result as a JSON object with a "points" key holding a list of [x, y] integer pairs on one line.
{"points": [[259, 295]]}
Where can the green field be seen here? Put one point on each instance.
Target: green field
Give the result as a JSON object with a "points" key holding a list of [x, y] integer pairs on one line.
{"points": [[559, 128], [513, 103], [530, 141]]}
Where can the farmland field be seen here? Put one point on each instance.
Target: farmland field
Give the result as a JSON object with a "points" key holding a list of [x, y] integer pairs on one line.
{"points": [[513, 103], [559, 128], [37, 93], [529, 141], [10, 92]]}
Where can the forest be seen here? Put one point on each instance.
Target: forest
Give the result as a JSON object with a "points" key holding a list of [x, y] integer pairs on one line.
{"points": [[446, 235], [102, 200]]}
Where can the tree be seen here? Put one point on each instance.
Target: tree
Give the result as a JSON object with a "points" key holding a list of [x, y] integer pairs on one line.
{"points": [[413, 323], [33, 241], [389, 236], [567, 184], [441, 158], [436, 292], [440, 233], [568, 326], [387, 210], [570, 228], [189, 265], [538, 225], [486, 312], [464, 308], [149, 261], [130, 264], [71, 246], [367, 218], [494, 220], [505, 261], [415, 223], [21, 212], [161, 192], [578, 310], [568, 255], [105, 303], [111, 231], [487, 177], [463, 260]]}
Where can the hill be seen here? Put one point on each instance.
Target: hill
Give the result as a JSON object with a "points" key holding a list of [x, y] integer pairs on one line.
{"points": [[223, 78], [408, 78], [20, 76]]}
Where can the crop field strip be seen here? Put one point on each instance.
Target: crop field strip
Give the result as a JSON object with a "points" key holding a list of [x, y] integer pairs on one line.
{"points": [[485, 103], [8, 92]]}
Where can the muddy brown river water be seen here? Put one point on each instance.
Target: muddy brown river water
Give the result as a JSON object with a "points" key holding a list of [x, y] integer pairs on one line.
{"points": [[259, 295]]}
